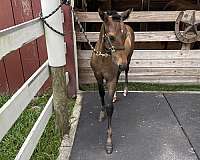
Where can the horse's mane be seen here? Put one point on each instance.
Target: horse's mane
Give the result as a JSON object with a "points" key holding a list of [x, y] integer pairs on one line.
{"points": [[111, 12], [114, 14]]}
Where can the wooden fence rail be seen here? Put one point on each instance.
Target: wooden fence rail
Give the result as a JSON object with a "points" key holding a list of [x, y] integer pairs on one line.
{"points": [[157, 36], [17, 36], [141, 16], [154, 66], [31, 141], [13, 108]]}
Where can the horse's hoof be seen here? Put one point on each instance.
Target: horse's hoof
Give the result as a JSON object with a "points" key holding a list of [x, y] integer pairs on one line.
{"points": [[114, 99], [109, 148], [102, 116], [125, 93]]}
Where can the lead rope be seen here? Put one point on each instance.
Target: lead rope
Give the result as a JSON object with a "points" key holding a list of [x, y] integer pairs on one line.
{"points": [[43, 19], [98, 53]]}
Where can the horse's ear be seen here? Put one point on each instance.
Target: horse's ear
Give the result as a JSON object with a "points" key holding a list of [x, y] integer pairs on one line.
{"points": [[102, 14], [126, 14]]}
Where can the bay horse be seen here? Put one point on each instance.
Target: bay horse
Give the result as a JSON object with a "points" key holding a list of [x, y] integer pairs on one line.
{"points": [[112, 55]]}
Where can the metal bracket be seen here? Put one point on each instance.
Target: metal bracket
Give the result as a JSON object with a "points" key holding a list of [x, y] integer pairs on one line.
{"points": [[187, 21]]}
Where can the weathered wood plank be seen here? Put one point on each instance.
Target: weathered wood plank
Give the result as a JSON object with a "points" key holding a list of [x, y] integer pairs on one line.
{"points": [[36, 132], [15, 37], [153, 71], [88, 79], [152, 54], [139, 36], [12, 109], [14, 71], [141, 16], [183, 63]]}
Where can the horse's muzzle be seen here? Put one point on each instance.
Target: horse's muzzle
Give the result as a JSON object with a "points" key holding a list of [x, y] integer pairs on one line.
{"points": [[122, 67]]}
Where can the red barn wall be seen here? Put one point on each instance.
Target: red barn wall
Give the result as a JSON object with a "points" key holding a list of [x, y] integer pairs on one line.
{"points": [[19, 65]]}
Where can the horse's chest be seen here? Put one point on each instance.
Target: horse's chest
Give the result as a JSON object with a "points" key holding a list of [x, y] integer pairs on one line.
{"points": [[104, 67]]}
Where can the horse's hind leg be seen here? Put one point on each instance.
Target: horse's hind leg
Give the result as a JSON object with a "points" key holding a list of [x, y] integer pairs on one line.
{"points": [[115, 97], [102, 94], [126, 81]]}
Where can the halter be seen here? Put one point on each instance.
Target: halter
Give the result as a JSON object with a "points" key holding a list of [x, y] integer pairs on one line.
{"points": [[106, 37], [111, 48]]}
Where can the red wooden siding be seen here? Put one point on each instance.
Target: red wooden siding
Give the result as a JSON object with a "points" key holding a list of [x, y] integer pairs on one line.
{"points": [[18, 66], [5, 22], [70, 50], [29, 56], [3, 79], [11, 65]]}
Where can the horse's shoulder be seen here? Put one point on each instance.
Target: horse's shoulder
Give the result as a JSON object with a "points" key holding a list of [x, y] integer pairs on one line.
{"points": [[129, 28]]}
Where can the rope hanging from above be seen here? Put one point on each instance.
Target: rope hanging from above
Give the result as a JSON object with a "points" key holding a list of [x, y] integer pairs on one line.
{"points": [[64, 2]]}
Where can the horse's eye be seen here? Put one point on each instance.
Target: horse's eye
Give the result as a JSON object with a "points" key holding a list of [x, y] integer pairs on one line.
{"points": [[112, 38]]}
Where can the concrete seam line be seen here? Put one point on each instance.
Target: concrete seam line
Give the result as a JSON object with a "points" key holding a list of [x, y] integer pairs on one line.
{"points": [[172, 92]]}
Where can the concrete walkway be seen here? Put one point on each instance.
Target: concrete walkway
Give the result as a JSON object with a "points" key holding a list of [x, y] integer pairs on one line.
{"points": [[146, 126]]}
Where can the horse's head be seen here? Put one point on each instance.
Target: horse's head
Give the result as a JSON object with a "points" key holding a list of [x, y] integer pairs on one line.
{"points": [[114, 35]]}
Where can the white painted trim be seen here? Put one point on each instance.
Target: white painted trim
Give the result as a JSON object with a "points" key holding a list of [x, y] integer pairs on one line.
{"points": [[68, 140], [36, 132], [75, 47], [13, 108], [15, 37]]}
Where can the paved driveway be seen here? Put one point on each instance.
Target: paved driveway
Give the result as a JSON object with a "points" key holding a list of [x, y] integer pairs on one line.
{"points": [[146, 126]]}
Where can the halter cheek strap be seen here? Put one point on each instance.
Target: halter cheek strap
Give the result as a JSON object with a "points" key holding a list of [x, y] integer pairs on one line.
{"points": [[112, 48]]}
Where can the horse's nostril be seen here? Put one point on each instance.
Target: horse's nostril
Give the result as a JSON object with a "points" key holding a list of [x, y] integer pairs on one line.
{"points": [[122, 67]]}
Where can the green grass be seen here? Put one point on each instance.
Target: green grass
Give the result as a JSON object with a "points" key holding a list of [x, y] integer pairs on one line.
{"points": [[3, 99], [147, 87], [47, 148]]}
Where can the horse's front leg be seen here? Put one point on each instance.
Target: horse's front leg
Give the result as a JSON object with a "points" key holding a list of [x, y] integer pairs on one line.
{"points": [[109, 111], [102, 94], [99, 79]]}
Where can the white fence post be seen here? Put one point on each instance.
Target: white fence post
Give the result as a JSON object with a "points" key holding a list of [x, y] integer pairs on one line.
{"points": [[54, 42], [57, 60], [75, 47]]}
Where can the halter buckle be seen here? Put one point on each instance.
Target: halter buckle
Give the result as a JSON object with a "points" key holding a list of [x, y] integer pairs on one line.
{"points": [[113, 49]]}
